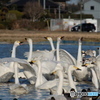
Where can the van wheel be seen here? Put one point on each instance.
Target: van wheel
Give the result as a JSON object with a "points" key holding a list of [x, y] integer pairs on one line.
{"points": [[79, 30]]}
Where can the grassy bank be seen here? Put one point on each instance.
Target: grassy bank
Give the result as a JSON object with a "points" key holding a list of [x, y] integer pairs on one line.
{"points": [[11, 35]]}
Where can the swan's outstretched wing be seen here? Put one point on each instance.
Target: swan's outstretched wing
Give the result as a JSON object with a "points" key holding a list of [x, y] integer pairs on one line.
{"points": [[43, 55], [12, 59], [67, 57], [22, 62]]}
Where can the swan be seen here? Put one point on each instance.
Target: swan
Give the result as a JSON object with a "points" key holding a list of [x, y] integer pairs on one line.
{"points": [[18, 88], [7, 71], [82, 75], [43, 55], [31, 75], [40, 78], [65, 57], [51, 42], [27, 73], [58, 66], [58, 62], [91, 53], [41, 81], [57, 93]]}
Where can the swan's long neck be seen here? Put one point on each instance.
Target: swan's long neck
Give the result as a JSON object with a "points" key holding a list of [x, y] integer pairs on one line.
{"points": [[13, 55], [30, 51], [94, 53], [60, 84], [58, 46], [39, 75], [71, 82], [13, 51], [16, 73], [52, 45], [79, 56]]}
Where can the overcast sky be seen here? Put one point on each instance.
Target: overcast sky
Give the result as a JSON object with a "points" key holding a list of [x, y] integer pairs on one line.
{"points": [[73, 1]]}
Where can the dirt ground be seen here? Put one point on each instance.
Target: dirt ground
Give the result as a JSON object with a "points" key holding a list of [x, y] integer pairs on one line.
{"points": [[37, 36]]}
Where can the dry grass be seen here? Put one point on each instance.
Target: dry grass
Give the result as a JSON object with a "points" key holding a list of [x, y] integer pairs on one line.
{"points": [[37, 36]]}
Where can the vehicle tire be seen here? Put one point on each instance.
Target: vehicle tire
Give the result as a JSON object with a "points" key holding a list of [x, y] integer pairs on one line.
{"points": [[92, 30], [79, 30]]}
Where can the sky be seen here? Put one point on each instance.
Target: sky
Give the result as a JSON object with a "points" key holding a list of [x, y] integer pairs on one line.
{"points": [[73, 1]]}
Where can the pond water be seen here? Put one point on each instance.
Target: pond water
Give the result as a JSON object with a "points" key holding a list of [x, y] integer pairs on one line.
{"points": [[5, 51]]}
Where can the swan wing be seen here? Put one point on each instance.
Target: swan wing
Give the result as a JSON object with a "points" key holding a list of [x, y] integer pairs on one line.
{"points": [[22, 62], [43, 55], [48, 84], [67, 57]]}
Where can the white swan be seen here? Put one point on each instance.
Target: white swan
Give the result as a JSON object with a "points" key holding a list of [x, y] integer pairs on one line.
{"points": [[6, 69], [82, 75], [41, 81], [51, 42], [18, 88], [57, 92], [31, 75], [91, 53], [64, 55], [50, 84], [43, 55]]}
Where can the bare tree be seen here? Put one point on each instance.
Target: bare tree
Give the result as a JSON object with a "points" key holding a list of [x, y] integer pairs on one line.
{"points": [[34, 10]]}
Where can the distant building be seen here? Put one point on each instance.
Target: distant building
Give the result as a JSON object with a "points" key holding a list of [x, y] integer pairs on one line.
{"points": [[49, 4], [91, 7]]}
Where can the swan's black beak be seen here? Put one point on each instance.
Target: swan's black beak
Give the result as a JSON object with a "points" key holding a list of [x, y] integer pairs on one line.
{"points": [[72, 89], [45, 37], [78, 69], [93, 63], [62, 37], [81, 39], [53, 73], [84, 65], [25, 38], [21, 43], [31, 62]]}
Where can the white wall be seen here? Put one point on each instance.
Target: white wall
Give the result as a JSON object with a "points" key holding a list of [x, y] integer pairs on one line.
{"points": [[65, 24], [95, 12]]}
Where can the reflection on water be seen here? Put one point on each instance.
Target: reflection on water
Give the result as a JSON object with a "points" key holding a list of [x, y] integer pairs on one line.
{"points": [[5, 51]]}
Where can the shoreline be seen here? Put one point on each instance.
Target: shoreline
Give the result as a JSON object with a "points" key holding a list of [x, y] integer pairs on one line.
{"points": [[10, 36]]}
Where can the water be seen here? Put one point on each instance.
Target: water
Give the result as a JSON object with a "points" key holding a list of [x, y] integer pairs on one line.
{"points": [[5, 51]]}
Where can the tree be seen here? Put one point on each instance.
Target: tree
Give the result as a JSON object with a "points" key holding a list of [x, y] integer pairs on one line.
{"points": [[34, 10]]}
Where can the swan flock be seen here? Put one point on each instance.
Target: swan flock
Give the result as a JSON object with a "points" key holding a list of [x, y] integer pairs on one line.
{"points": [[56, 69]]}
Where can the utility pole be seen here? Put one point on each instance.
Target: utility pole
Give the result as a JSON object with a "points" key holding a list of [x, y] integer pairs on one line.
{"points": [[39, 2], [44, 4], [81, 6], [59, 11]]}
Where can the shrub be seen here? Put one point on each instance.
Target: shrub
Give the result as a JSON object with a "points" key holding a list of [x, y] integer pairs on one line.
{"points": [[18, 14], [2, 26], [27, 24], [39, 25]]}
